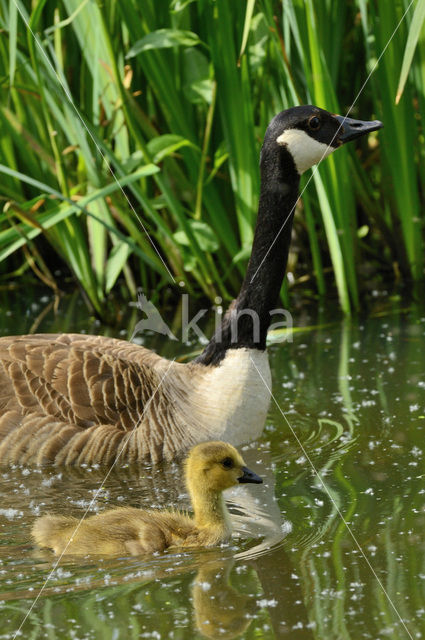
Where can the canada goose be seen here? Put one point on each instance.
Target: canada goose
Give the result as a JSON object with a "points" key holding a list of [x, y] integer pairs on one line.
{"points": [[211, 467], [74, 399]]}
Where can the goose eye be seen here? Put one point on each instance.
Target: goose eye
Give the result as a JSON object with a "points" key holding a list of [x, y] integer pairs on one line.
{"points": [[314, 123], [227, 463]]}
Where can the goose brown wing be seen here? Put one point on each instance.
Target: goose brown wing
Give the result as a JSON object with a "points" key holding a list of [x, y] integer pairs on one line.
{"points": [[56, 387]]}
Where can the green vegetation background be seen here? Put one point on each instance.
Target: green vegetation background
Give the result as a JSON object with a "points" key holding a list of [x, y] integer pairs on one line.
{"points": [[130, 137]]}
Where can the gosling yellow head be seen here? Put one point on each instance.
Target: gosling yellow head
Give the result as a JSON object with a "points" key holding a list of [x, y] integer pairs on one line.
{"points": [[216, 466], [212, 467]]}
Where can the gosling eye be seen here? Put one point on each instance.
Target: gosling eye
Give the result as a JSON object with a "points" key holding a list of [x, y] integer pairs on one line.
{"points": [[314, 123], [227, 463]]}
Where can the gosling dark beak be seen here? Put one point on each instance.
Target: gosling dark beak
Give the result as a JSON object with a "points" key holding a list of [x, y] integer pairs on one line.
{"points": [[351, 129], [249, 476]]}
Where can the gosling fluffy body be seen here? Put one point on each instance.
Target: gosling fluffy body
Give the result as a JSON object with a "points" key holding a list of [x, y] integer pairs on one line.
{"points": [[211, 467]]}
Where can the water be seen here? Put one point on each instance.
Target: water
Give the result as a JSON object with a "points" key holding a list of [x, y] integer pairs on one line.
{"points": [[338, 555]]}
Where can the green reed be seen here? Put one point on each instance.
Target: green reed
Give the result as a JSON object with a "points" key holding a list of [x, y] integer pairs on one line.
{"points": [[149, 175]]}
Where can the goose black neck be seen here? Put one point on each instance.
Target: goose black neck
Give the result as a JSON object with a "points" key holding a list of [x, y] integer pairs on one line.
{"points": [[248, 318]]}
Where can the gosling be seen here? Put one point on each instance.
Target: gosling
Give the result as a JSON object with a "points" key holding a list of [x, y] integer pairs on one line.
{"points": [[211, 467]]}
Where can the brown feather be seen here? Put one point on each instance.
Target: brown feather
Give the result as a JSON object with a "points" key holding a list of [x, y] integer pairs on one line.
{"points": [[74, 399], [77, 399]]}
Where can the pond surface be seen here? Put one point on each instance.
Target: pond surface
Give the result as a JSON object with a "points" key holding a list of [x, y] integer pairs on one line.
{"points": [[338, 554]]}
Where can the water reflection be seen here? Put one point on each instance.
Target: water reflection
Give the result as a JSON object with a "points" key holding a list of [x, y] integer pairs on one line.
{"points": [[220, 610], [370, 379]]}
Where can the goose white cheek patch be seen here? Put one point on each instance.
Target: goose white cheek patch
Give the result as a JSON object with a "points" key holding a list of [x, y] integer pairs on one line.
{"points": [[305, 150]]}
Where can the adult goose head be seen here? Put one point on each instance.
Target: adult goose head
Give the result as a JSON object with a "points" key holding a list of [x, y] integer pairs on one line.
{"points": [[78, 399], [295, 140]]}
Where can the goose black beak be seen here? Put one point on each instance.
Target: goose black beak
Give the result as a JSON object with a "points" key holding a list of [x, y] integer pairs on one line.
{"points": [[249, 476], [351, 129]]}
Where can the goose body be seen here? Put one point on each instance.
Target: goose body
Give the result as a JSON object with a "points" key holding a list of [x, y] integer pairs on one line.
{"points": [[211, 467], [74, 399]]}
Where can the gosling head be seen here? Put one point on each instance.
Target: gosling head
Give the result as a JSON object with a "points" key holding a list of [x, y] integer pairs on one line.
{"points": [[308, 134], [216, 466]]}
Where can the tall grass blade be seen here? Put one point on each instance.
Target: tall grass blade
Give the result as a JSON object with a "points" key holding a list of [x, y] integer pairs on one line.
{"points": [[189, 88], [412, 40]]}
